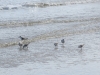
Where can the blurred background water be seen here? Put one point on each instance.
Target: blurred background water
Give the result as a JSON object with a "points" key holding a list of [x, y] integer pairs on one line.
{"points": [[39, 10]]}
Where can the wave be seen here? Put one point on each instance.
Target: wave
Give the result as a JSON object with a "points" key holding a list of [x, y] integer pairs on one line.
{"points": [[17, 23], [57, 3], [9, 7], [41, 5]]}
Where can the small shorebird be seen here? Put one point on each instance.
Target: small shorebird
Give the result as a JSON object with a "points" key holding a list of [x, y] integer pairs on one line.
{"points": [[63, 41], [81, 46], [20, 44], [55, 44], [22, 38], [25, 46]]}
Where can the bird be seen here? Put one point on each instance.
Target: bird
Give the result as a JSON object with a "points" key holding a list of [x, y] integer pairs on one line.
{"points": [[81, 46], [20, 44], [63, 41], [25, 46], [22, 38], [55, 44]]}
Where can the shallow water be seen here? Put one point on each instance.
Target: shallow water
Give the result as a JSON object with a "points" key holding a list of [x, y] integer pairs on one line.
{"points": [[45, 52], [36, 22], [78, 22]]}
